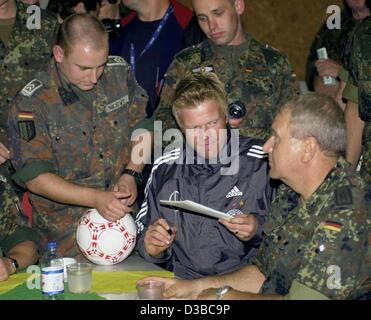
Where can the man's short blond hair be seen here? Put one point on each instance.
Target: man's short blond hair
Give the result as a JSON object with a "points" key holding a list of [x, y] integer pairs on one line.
{"points": [[196, 88]]}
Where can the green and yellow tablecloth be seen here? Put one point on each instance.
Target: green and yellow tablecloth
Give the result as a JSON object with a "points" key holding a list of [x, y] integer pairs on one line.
{"points": [[15, 288]]}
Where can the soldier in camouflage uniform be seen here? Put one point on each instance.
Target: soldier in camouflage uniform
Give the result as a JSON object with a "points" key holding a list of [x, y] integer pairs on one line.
{"points": [[358, 93], [334, 40], [70, 133], [23, 50], [315, 240], [17, 240], [22, 53], [258, 76]]}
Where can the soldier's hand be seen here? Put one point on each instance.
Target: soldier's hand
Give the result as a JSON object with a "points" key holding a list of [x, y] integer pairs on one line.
{"points": [[327, 68], [127, 184], [5, 269], [110, 205], [4, 154], [159, 237], [244, 226]]}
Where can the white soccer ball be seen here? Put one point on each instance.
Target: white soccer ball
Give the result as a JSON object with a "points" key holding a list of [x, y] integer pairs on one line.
{"points": [[104, 242]]}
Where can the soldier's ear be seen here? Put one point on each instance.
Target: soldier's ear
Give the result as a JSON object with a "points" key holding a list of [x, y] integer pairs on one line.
{"points": [[310, 149], [79, 8], [58, 53], [239, 6]]}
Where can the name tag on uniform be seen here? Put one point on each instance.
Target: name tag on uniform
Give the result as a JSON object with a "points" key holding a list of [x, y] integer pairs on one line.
{"points": [[117, 104]]}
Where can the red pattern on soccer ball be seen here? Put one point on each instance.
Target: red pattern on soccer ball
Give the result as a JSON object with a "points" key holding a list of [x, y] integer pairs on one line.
{"points": [[97, 231]]}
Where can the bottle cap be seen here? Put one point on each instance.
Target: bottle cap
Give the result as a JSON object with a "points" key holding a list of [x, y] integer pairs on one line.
{"points": [[52, 245]]}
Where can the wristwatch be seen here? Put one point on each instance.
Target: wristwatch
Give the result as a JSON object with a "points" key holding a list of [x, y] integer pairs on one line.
{"points": [[137, 176], [220, 292], [14, 263]]}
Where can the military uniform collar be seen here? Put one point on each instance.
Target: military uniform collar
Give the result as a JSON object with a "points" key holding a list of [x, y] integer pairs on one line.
{"points": [[333, 175], [228, 51]]}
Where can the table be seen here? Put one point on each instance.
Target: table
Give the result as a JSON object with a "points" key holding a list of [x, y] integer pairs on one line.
{"points": [[132, 263], [115, 282]]}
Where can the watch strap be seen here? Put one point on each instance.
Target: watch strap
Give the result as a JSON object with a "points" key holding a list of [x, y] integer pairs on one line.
{"points": [[137, 176], [220, 292], [14, 263]]}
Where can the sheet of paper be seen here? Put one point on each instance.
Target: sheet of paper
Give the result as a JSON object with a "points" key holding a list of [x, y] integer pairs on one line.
{"points": [[196, 207]]}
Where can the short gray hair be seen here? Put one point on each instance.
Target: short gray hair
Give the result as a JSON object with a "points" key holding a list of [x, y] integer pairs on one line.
{"points": [[319, 116]]}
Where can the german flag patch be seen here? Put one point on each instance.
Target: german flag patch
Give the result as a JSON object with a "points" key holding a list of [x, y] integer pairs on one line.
{"points": [[25, 115], [333, 226]]}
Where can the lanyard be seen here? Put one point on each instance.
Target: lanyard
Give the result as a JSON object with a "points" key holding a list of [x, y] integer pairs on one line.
{"points": [[152, 40]]}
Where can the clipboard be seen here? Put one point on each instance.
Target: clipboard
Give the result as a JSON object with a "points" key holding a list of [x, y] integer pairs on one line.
{"points": [[196, 207]]}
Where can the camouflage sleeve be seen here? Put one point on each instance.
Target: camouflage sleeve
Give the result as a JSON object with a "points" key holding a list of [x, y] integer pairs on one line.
{"points": [[261, 259], [13, 224], [163, 113], [20, 234], [361, 65], [335, 262], [274, 219], [29, 141]]}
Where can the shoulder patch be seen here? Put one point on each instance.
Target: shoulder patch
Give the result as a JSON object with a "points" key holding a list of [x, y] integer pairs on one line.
{"points": [[343, 196], [31, 87], [116, 61]]}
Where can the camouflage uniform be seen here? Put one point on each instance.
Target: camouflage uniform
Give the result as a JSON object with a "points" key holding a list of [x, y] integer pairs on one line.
{"points": [[82, 136], [360, 71], [334, 41], [257, 75], [27, 51], [302, 239], [13, 224]]}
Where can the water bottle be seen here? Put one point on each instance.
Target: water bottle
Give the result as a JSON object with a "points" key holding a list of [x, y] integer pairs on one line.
{"points": [[52, 273]]}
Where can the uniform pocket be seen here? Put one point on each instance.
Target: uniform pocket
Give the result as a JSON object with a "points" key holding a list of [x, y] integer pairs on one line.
{"points": [[73, 151]]}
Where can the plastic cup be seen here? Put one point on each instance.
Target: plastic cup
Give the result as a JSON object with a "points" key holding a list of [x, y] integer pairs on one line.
{"points": [[150, 291], [79, 277], [67, 261]]}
